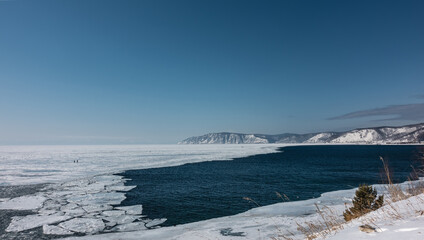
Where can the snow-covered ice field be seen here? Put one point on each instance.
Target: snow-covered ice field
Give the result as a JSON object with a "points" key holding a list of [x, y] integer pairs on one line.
{"points": [[51, 164]]}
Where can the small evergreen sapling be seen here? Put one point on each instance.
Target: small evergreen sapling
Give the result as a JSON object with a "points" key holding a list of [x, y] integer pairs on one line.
{"points": [[365, 201]]}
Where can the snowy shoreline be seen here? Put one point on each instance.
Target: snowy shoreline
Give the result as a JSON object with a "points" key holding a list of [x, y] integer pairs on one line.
{"points": [[264, 222]]}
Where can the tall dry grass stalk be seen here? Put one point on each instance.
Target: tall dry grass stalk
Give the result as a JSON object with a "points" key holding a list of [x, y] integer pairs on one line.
{"points": [[395, 191], [283, 197], [251, 200]]}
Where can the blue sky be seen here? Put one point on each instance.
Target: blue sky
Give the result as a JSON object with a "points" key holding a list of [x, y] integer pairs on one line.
{"points": [[105, 72]]}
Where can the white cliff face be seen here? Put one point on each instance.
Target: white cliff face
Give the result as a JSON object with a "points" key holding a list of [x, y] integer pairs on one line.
{"points": [[320, 138], [250, 138], [379, 135], [417, 135], [407, 134], [225, 138], [359, 136]]}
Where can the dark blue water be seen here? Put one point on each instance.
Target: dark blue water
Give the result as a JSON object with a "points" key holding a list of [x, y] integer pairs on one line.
{"points": [[199, 191]]}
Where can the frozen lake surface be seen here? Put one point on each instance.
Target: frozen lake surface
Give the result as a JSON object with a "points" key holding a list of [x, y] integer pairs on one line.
{"points": [[20, 165]]}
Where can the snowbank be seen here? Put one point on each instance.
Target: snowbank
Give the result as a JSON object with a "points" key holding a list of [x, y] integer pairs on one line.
{"points": [[399, 220]]}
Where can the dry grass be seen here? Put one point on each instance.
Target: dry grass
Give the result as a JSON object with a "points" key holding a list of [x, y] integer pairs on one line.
{"points": [[330, 222], [395, 191], [327, 222], [251, 200]]}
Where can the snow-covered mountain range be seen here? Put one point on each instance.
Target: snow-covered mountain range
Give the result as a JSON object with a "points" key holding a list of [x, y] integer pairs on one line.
{"points": [[376, 135]]}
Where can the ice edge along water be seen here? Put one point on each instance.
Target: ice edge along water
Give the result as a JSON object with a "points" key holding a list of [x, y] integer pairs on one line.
{"points": [[22, 165], [86, 205]]}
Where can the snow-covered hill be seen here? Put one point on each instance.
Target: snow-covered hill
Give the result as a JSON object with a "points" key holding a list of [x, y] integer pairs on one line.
{"points": [[225, 138], [405, 134], [377, 135]]}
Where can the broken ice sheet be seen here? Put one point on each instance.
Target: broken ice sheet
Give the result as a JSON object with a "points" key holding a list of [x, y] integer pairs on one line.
{"points": [[96, 208], [69, 206], [155, 222], [46, 212], [122, 219], [83, 225], [51, 205], [76, 212], [55, 230], [120, 188], [113, 213], [135, 226], [112, 198], [23, 203], [82, 206], [132, 210], [57, 194], [19, 224]]}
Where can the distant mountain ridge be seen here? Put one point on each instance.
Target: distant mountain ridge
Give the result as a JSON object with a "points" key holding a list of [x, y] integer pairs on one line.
{"points": [[376, 135]]}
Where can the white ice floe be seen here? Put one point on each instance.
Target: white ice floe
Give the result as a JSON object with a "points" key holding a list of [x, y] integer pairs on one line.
{"points": [[76, 212], [23, 203], [135, 226], [113, 213], [122, 219], [19, 224], [83, 225], [155, 222], [55, 230], [120, 188], [100, 198], [133, 210], [47, 212], [69, 206], [97, 208]]}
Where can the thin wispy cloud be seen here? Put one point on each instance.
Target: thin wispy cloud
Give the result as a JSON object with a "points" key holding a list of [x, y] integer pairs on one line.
{"points": [[400, 112], [419, 96]]}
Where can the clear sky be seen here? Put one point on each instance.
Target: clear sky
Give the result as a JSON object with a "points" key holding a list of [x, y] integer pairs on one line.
{"points": [[128, 71]]}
